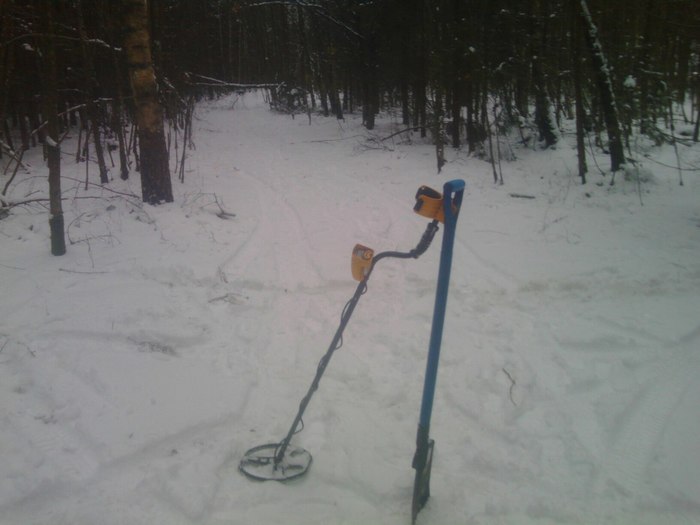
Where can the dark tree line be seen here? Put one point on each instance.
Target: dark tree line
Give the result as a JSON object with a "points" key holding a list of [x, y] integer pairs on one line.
{"points": [[85, 67], [105, 84], [472, 68], [459, 71]]}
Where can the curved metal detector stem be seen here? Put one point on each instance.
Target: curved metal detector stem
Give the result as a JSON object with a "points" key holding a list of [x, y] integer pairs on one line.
{"points": [[276, 461]]}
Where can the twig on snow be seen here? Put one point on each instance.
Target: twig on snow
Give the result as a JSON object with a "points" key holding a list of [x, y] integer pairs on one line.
{"points": [[223, 214], [77, 271], [521, 196], [512, 386], [415, 128]]}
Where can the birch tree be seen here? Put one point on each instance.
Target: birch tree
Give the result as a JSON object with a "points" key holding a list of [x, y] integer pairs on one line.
{"points": [[156, 186]]}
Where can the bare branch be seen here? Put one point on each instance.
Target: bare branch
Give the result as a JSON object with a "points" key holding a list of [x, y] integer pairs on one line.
{"points": [[512, 385], [13, 204], [77, 271], [18, 161], [415, 128], [316, 8], [222, 83], [101, 186], [29, 36]]}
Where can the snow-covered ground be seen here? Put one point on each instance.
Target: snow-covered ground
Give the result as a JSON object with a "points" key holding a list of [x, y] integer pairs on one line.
{"points": [[138, 368]]}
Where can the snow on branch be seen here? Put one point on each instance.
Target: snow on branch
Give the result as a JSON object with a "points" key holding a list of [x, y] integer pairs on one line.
{"points": [[94, 41], [319, 9], [299, 3], [102, 43], [210, 81]]}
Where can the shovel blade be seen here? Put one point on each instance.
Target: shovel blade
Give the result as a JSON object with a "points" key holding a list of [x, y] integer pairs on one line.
{"points": [[423, 462]]}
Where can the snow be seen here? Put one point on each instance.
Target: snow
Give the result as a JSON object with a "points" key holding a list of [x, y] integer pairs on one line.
{"points": [[137, 369]]}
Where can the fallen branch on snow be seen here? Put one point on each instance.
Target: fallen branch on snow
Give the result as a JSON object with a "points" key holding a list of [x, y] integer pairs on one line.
{"points": [[521, 196], [512, 386]]}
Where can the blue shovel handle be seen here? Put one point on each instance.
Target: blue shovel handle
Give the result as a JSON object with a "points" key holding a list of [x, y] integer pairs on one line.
{"points": [[453, 192]]}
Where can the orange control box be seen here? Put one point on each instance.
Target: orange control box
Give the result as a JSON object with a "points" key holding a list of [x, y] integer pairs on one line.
{"points": [[361, 261]]}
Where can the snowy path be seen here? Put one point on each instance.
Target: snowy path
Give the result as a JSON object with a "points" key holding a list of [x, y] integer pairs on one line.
{"points": [[137, 369]]}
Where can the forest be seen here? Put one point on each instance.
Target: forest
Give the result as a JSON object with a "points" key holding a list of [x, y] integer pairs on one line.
{"points": [[126, 75], [184, 183]]}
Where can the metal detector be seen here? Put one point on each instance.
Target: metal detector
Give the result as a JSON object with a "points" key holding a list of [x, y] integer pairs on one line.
{"points": [[282, 462]]}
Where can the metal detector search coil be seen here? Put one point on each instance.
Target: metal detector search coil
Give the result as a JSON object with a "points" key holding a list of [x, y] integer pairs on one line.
{"points": [[262, 463], [361, 261]]}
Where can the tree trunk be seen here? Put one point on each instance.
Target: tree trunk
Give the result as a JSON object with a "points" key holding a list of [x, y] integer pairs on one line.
{"points": [[419, 90], [23, 129], [7, 136], [470, 125], [155, 173], [605, 89], [643, 67], [546, 125], [403, 86], [369, 82], [578, 95], [438, 134], [92, 92], [7, 60], [696, 130], [458, 43], [118, 126], [53, 151]]}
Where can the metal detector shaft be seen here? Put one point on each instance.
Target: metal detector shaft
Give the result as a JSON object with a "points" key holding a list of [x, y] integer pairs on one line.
{"points": [[344, 318], [347, 312], [422, 460]]}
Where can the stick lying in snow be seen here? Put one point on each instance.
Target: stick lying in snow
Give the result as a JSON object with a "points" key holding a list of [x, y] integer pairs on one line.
{"points": [[223, 214], [78, 271], [512, 385], [521, 196]]}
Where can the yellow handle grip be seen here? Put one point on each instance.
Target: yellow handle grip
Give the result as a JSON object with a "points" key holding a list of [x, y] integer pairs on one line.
{"points": [[361, 261]]}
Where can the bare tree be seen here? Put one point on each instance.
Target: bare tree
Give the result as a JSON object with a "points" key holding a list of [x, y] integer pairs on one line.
{"points": [[155, 173], [91, 88], [605, 88], [575, 38], [53, 149]]}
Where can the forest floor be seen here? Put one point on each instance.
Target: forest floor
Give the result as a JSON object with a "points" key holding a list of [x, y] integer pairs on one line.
{"points": [[137, 369]]}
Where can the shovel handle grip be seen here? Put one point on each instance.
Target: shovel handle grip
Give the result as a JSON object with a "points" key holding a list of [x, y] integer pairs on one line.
{"points": [[453, 191]]}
